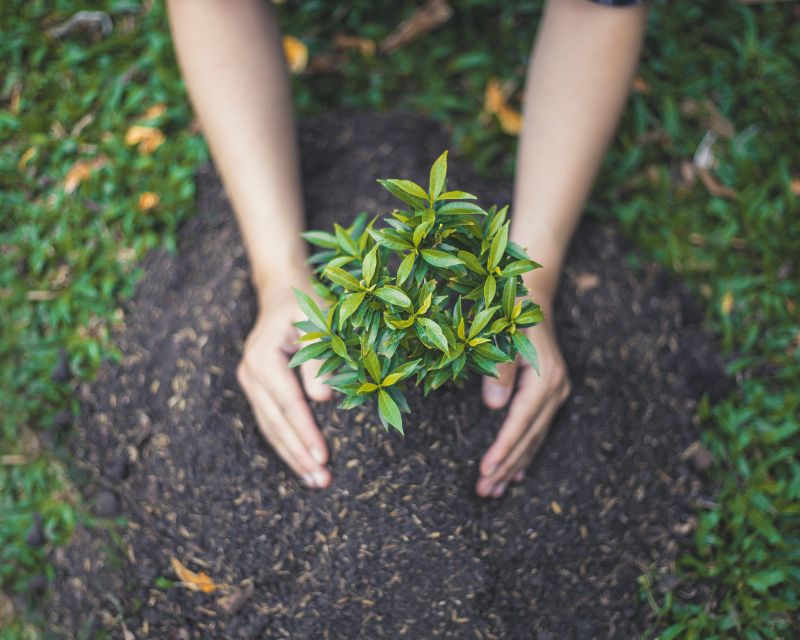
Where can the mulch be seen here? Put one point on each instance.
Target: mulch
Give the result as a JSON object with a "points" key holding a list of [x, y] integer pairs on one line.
{"points": [[399, 545]]}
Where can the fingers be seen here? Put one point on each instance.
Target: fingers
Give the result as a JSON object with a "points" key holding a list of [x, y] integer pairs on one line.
{"points": [[497, 391], [315, 388], [285, 419]]}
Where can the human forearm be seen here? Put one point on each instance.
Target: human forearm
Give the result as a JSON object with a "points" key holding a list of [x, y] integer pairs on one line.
{"points": [[230, 55], [578, 81]]}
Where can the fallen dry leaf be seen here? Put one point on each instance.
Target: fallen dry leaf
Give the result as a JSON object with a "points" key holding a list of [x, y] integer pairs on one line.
{"points": [[425, 19], [147, 201], [190, 579], [158, 109], [794, 185], [147, 138], [365, 46], [726, 306], [495, 102], [716, 188], [80, 171], [296, 54], [639, 85], [25, 158]]}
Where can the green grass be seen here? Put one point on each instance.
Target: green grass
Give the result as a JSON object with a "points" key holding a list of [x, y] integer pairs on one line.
{"points": [[742, 255]]}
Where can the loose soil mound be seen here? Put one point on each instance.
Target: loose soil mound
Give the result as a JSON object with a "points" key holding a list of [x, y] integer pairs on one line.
{"points": [[399, 545]]}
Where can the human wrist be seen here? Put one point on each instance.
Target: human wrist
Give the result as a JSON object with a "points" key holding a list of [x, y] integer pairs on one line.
{"points": [[267, 282]]}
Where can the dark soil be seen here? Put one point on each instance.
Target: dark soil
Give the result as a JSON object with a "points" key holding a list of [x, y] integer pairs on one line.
{"points": [[399, 545]]}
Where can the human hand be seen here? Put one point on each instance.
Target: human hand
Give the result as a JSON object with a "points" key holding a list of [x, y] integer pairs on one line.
{"points": [[536, 401], [276, 398]]}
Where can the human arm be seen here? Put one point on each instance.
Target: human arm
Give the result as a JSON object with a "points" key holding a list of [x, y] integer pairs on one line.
{"points": [[231, 59], [577, 84]]}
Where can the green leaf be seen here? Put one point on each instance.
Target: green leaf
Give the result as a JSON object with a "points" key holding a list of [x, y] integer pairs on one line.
{"points": [[369, 265], [367, 387], [498, 246], [373, 365], [344, 241], [531, 317], [480, 321], [403, 190], [393, 295], [489, 288], [527, 350], [460, 209], [764, 580], [349, 306], [439, 258], [438, 175], [309, 352], [310, 308], [403, 371], [389, 411], [472, 263], [509, 295], [390, 240], [405, 268], [434, 333], [420, 232], [519, 267], [320, 239], [342, 278], [339, 348], [457, 195]]}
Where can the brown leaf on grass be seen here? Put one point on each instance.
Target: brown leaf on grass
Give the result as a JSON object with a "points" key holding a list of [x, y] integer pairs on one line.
{"points": [[80, 171], [716, 188], [794, 185], [25, 158], [147, 138], [158, 109], [495, 102], [296, 54], [190, 579], [425, 19], [365, 46], [640, 85], [147, 201], [710, 115]]}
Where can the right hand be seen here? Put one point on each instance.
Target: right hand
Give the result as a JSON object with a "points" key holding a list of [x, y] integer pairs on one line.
{"points": [[276, 398]]}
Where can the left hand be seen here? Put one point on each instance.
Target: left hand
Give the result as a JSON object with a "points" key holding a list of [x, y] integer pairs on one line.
{"points": [[535, 403]]}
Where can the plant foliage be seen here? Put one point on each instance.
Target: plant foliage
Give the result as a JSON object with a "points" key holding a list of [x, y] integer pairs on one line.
{"points": [[435, 293]]}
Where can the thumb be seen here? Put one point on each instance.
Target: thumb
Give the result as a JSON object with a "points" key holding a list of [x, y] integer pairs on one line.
{"points": [[315, 388], [497, 391]]}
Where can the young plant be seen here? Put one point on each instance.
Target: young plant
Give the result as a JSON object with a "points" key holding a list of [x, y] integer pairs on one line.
{"points": [[432, 295]]}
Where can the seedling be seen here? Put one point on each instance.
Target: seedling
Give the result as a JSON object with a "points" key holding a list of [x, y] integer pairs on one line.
{"points": [[434, 294]]}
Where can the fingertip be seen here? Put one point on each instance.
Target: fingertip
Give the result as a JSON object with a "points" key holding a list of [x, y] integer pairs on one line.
{"points": [[495, 396], [318, 391]]}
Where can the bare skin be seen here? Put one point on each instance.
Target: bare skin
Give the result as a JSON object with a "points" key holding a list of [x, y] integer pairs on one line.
{"points": [[581, 67]]}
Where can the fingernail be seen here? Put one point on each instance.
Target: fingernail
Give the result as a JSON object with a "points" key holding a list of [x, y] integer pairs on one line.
{"points": [[308, 479], [317, 455], [320, 478], [498, 490]]}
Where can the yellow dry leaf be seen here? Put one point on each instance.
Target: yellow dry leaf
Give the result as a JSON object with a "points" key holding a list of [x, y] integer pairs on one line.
{"points": [[158, 109], [296, 54], [794, 185], [640, 85], [727, 303], [190, 579], [80, 171], [25, 158], [494, 102], [148, 200], [148, 138]]}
